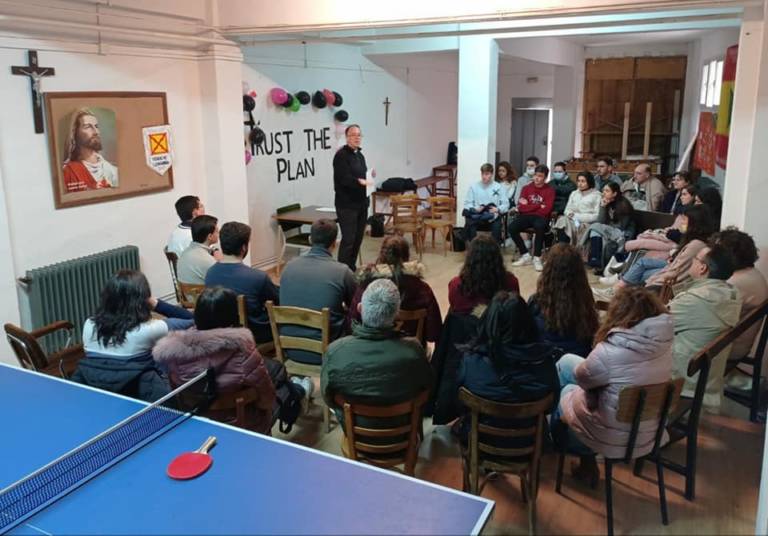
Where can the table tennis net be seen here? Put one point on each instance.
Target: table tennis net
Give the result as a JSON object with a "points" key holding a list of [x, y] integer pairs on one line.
{"points": [[52, 481]]}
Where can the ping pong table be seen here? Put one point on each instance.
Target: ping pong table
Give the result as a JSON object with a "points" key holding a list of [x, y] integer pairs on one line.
{"points": [[257, 484]]}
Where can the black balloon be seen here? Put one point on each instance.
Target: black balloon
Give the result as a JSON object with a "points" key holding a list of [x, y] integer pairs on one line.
{"points": [[248, 103], [339, 100], [303, 97], [341, 116], [256, 136], [318, 100]]}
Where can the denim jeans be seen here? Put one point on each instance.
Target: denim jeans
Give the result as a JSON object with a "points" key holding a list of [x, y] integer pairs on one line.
{"points": [[566, 367], [642, 269]]}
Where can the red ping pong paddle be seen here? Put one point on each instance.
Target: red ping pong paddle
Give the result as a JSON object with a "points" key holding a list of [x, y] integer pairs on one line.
{"points": [[192, 464]]}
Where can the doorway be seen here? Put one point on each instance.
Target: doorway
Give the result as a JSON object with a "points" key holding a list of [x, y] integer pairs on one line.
{"points": [[531, 134]]}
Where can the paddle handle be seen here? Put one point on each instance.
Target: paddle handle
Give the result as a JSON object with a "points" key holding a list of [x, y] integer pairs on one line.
{"points": [[208, 445]]}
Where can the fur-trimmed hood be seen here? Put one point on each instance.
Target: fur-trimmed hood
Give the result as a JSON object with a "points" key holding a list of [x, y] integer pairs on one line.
{"points": [[382, 271], [191, 345]]}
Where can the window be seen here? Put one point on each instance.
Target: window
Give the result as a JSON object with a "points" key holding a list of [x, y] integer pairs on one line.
{"points": [[711, 83]]}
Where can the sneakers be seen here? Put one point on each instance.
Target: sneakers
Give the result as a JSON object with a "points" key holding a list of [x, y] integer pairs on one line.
{"points": [[524, 260], [306, 383], [509, 243], [609, 280], [537, 264], [604, 294]]}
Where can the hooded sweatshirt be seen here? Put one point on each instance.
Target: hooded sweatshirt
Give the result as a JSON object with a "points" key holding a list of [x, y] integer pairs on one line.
{"points": [[640, 355], [702, 312]]}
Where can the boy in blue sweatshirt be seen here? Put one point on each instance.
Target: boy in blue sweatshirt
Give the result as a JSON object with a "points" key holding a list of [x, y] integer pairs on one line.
{"points": [[486, 201]]}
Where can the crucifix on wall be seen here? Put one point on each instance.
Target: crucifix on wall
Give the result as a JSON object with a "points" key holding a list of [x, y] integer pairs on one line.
{"points": [[35, 74], [386, 104]]}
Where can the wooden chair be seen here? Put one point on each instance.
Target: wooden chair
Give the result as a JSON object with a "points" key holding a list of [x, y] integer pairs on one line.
{"points": [[31, 355], [298, 316], [173, 261], [481, 457], [415, 315], [406, 219], [266, 349], [637, 404], [189, 293], [390, 448], [441, 217]]}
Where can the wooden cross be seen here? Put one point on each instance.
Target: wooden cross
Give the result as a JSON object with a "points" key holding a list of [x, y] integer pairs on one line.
{"points": [[386, 104], [35, 74]]}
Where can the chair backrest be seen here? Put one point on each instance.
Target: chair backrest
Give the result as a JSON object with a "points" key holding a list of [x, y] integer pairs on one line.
{"points": [[189, 294], [173, 262], [415, 315], [383, 447], [442, 207], [298, 316], [638, 403], [405, 209], [27, 349], [230, 403], [242, 310]]}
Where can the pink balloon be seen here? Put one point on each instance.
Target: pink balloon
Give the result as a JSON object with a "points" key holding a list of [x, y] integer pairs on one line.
{"points": [[248, 157], [330, 98], [279, 96]]}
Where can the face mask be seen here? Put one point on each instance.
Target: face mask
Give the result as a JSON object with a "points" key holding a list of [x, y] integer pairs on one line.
{"points": [[558, 175], [530, 171]]}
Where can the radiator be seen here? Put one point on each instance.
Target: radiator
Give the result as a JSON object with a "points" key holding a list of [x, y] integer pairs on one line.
{"points": [[70, 290]]}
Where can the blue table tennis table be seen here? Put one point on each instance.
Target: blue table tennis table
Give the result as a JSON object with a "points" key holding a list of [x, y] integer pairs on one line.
{"points": [[257, 484]]}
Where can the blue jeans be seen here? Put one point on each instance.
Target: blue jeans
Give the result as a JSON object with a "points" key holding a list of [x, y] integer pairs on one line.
{"points": [[566, 366], [642, 269]]}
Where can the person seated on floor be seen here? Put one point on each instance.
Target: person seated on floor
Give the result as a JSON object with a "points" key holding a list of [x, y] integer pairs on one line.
{"points": [[218, 341], [315, 280], [632, 347], [563, 186], [604, 173], [583, 208], [506, 362], [394, 264], [614, 226], [119, 337], [651, 272], [704, 311], [563, 305], [255, 285], [710, 198], [376, 365], [482, 276], [643, 190], [534, 210], [750, 283], [673, 199], [188, 207], [484, 204], [195, 261]]}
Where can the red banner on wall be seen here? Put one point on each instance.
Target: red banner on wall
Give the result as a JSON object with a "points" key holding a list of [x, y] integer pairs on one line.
{"points": [[704, 158], [725, 109]]}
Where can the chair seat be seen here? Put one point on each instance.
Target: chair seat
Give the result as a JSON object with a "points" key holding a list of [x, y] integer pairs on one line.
{"points": [[438, 223]]}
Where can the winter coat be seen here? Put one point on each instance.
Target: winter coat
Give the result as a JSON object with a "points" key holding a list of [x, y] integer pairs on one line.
{"points": [[679, 265], [702, 313], [563, 189], [137, 377], [237, 364], [636, 356], [585, 206], [754, 291], [415, 293]]}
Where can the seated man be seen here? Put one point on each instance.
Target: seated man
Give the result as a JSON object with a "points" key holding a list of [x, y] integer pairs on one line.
{"points": [[316, 280], [643, 190], [563, 186], [375, 365], [535, 207], [604, 173], [231, 273], [486, 201], [195, 261], [188, 208], [701, 313]]}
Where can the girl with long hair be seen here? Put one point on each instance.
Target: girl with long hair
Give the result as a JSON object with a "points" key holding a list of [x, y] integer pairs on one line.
{"points": [[583, 208], [614, 226], [673, 199]]}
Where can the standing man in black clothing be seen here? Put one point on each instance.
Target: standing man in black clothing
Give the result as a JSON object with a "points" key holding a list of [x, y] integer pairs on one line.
{"points": [[349, 183]]}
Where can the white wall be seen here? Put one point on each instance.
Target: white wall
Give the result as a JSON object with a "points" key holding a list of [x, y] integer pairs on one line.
{"points": [[422, 120]]}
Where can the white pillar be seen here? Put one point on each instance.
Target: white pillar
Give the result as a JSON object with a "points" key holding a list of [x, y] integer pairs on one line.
{"points": [[478, 85], [563, 113]]}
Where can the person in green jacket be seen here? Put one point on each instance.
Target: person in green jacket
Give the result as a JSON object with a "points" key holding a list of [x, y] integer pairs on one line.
{"points": [[701, 313], [376, 365], [563, 186]]}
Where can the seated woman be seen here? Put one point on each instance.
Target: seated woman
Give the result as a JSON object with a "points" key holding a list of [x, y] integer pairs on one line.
{"points": [[481, 277], [673, 202], [697, 228], [118, 339], [633, 347], [503, 361], [394, 264], [614, 226], [583, 208], [563, 306], [710, 198], [217, 341]]}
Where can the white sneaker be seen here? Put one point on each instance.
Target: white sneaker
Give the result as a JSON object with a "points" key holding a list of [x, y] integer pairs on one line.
{"points": [[537, 264], [609, 280], [306, 383], [524, 260], [603, 294]]}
